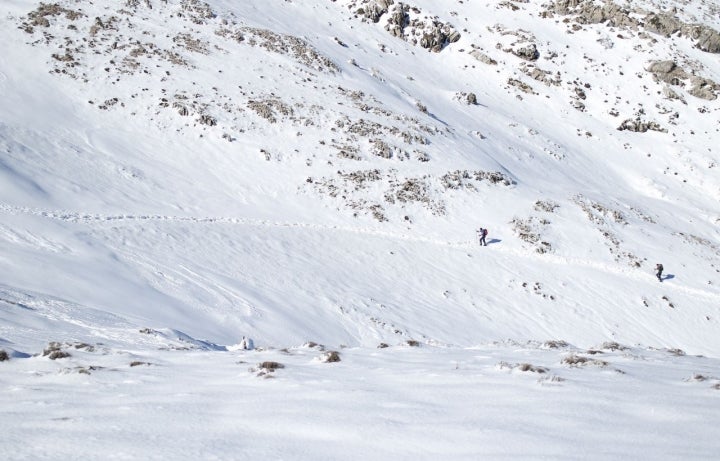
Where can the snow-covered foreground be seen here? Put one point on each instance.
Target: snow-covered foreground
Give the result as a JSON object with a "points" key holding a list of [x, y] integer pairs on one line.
{"points": [[176, 175], [497, 401]]}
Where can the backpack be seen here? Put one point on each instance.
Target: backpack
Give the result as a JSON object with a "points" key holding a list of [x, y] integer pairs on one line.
{"points": [[484, 232], [659, 267]]}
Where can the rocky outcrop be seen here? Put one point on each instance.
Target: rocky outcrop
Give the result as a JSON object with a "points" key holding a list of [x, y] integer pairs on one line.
{"points": [[703, 88], [526, 51], [706, 38], [588, 12], [639, 126], [541, 75], [670, 73], [482, 57], [664, 23], [374, 10], [406, 22]]}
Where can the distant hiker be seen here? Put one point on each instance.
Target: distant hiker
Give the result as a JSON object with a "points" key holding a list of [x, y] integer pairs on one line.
{"points": [[659, 269], [482, 233]]}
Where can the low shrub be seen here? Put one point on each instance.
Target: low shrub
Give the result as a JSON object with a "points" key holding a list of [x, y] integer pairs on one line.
{"points": [[331, 356], [555, 344], [270, 366], [531, 368], [578, 360], [54, 351], [613, 346]]}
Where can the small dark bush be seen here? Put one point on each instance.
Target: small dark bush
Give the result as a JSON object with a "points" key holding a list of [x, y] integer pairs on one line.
{"points": [[532, 368], [578, 360], [271, 365], [382, 346], [573, 359], [54, 351], [137, 363], [54, 355], [314, 345], [86, 371], [331, 356], [4, 355], [613, 346], [555, 344], [412, 343]]}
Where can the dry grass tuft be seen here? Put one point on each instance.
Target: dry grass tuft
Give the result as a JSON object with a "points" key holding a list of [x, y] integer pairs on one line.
{"points": [[555, 344], [578, 360], [54, 351], [531, 368], [270, 366], [331, 356], [613, 346]]}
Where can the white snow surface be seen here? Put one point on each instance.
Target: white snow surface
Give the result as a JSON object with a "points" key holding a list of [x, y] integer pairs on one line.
{"points": [[175, 175]]}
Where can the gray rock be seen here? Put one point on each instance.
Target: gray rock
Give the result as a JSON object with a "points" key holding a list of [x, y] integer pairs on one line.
{"points": [[707, 39], [668, 72], [529, 52], [662, 24], [482, 57], [669, 93], [703, 88], [639, 126]]}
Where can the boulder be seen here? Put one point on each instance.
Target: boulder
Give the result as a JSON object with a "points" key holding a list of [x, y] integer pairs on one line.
{"points": [[662, 24], [528, 52]]}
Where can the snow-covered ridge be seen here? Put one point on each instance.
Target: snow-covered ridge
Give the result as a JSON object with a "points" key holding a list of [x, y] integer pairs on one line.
{"points": [[373, 125]]}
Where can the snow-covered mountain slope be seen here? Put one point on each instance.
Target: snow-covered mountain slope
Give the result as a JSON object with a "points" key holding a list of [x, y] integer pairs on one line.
{"points": [[177, 174]]}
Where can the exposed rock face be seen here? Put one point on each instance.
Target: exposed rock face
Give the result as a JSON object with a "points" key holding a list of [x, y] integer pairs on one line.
{"points": [[482, 57], [706, 39], [405, 22], [662, 24], [703, 88], [639, 126], [541, 75], [526, 51], [587, 12], [374, 10], [590, 13], [669, 72]]}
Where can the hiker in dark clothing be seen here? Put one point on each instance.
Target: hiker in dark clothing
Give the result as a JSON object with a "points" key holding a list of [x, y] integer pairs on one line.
{"points": [[659, 269], [482, 233]]}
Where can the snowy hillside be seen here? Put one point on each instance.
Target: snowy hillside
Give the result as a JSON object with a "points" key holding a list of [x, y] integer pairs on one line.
{"points": [[176, 174]]}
